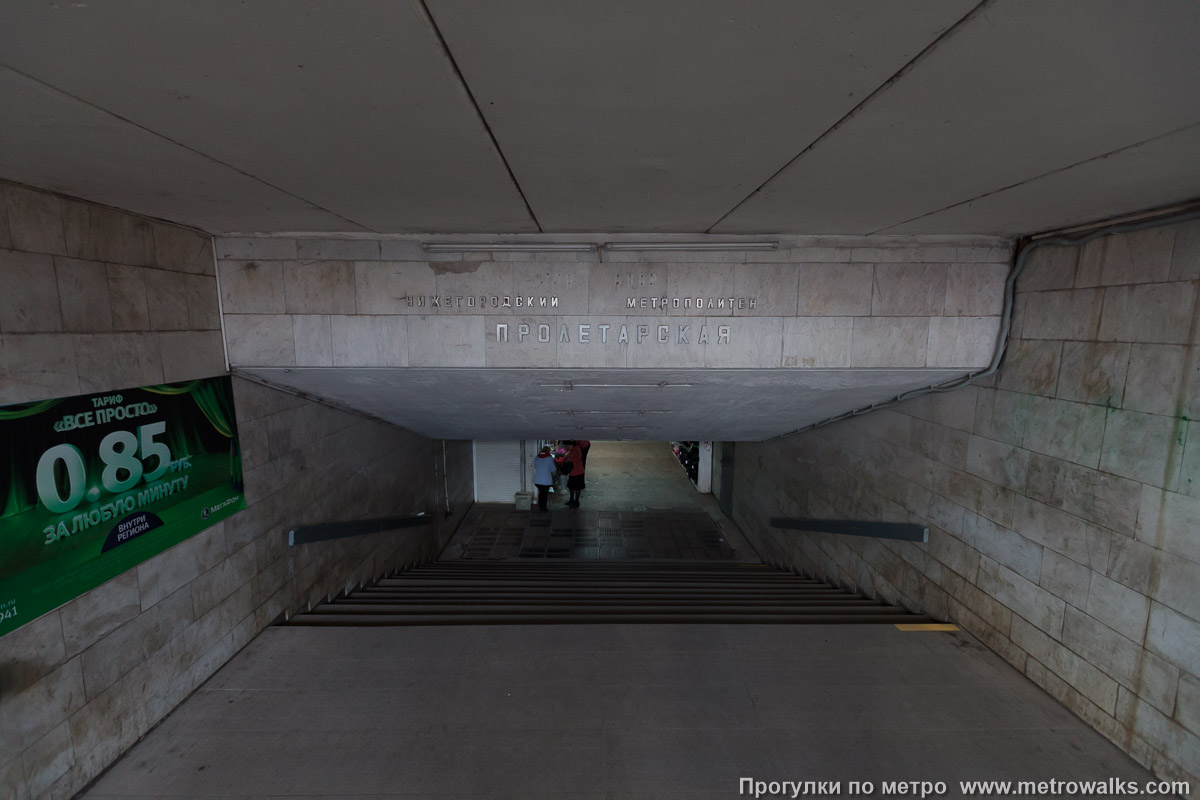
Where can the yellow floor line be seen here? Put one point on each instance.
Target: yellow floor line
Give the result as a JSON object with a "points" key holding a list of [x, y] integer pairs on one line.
{"points": [[926, 626]]}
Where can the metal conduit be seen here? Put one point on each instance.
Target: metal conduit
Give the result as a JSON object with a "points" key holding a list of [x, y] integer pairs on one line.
{"points": [[1027, 246]]}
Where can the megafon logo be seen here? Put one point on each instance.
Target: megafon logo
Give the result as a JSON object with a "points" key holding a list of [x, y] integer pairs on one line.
{"points": [[206, 512]]}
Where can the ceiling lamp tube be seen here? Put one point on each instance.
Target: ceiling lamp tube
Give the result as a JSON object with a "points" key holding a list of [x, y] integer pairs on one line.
{"points": [[710, 246], [508, 247]]}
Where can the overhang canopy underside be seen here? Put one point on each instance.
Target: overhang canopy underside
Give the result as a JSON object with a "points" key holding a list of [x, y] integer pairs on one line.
{"points": [[642, 404]]}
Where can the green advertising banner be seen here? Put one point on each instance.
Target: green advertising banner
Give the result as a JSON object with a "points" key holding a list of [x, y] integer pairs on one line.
{"points": [[96, 484]]}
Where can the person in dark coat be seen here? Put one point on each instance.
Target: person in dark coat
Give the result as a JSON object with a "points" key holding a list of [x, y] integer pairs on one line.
{"points": [[575, 483]]}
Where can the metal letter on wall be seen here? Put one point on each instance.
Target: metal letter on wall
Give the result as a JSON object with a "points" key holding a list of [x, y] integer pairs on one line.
{"points": [[95, 484]]}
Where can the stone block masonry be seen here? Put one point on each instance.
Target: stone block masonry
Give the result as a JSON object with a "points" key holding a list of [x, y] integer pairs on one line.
{"points": [[1062, 497], [818, 302], [94, 299]]}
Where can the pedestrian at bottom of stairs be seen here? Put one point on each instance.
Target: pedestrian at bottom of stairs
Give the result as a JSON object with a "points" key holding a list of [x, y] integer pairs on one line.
{"points": [[543, 475]]}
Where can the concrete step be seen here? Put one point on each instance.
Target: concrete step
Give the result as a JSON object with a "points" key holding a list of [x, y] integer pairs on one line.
{"points": [[622, 617], [560, 592]]}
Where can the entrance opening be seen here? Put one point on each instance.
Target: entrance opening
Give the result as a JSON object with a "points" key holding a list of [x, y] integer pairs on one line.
{"points": [[639, 503]]}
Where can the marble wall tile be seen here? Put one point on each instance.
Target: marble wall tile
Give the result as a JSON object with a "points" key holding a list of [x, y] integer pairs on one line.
{"points": [[889, 342], [1153, 313], [1065, 578], [1163, 379], [696, 281], [997, 462], [664, 342], [566, 280], [37, 367], [93, 615], [257, 248], [35, 221], [1052, 528], [1066, 430], [98, 233], [1120, 608], [337, 249], [385, 287], [1126, 258], [754, 342], [446, 342], [774, 288], [318, 287], [167, 300], [29, 300], [968, 342], [314, 340], [1048, 267], [251, 287], [816, 342], [1093, 372], [375, 341], [108, 361], [1098, 497], [179, 248], [83, 295], [260, 340], [203, 310], [1143, 447], [909, 289], [1026, 598], [1185, 259], [533, 341], [187, 355], [835, 289], [604, 348], [127, 298], [610, 285], [975, 290], [1169, 521], [478, 278], [1031, 366], [1068, 314], [1120, 658]]}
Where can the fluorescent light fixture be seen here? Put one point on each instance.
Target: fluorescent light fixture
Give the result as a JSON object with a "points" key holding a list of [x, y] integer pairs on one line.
{"points": [[572, 385], [710, 246], [623, 413], [508, 247]]}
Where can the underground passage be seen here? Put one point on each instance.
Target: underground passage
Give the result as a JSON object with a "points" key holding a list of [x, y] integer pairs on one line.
{"points": [[505, 399]]}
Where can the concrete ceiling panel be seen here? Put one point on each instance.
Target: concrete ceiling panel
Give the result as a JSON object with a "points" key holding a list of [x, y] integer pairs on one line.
{"points": [[1157, 173], [1021, 89], [52, 141], [352, 106], [661, 116], [646, 404]]}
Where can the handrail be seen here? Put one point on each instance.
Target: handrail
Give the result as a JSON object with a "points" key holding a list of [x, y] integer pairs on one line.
{"points": [[305, 534]]}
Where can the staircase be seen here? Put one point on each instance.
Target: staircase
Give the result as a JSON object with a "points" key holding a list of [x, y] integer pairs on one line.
{"points": [[560, 592]]}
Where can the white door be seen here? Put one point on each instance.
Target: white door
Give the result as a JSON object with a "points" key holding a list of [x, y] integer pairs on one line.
{"points": [[497, 471]]}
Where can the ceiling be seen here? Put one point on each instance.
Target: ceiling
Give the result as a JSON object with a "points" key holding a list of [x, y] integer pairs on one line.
{"points": [[647, 404], [543, 116]]}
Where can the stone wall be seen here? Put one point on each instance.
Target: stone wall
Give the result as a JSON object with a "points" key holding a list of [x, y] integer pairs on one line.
{"points": [[817, 302], [1062, 497], [92, 299]]}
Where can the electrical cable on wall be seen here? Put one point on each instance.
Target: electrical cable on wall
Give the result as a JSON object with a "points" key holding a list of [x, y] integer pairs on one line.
{"points": [[1010, 285]]}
